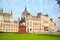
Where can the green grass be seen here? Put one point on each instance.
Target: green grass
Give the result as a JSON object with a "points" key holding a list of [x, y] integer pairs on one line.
{"points": [[12, 36]]}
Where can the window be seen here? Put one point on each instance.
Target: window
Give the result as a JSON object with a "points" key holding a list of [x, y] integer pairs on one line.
{"points": [[6, 30], [14, 29], [30, 29], [45, 21], [52, 29], [45, 28], [9, 24], [27, 23], [0, 29], [27, 30], [0, 24], [30, 24], [3, 29], [36, 23]]}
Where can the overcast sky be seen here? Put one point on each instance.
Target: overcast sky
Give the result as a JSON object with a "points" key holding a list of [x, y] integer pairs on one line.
{"points": [[49, 7]]}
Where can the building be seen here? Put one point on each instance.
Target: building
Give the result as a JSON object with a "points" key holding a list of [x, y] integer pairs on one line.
{"points": [[39, 23], [7, 23], [27, 24]]}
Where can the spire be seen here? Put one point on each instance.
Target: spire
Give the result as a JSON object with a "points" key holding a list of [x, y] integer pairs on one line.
{"points": [[25, 8], [1, 10], [25, 11], [11, 12]]}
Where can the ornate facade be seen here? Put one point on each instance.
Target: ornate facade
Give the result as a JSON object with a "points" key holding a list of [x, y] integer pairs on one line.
{"points": [[39, 23], [27, 24], [7, 23]]}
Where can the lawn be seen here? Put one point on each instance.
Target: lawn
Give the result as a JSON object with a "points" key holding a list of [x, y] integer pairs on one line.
{"points": [[12, 36]]}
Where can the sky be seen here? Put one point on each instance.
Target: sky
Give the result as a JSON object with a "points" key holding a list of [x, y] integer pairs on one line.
{"points": [[49, 7]]}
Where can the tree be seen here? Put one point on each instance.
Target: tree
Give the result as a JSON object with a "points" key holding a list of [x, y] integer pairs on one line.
{"points": [[58, 1]]}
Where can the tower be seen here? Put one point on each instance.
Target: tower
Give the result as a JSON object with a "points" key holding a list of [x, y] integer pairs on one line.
{"points": [[25, 9], [1, 10], [24, 14], [11, 13]]}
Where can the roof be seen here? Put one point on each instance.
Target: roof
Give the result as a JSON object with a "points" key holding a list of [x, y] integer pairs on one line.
{"points": [[25, 12], [5, 14]]}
